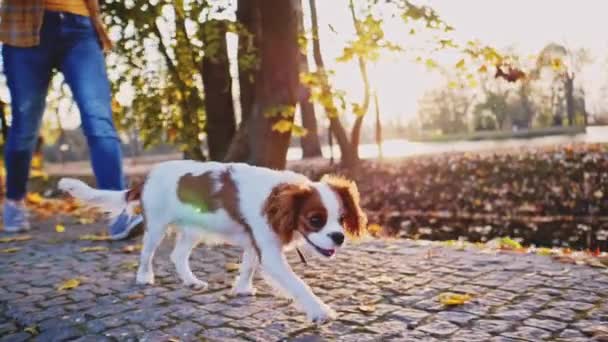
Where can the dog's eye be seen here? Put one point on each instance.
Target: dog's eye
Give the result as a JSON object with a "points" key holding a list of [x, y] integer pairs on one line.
{"points": [[342, 219], [317, 221]]}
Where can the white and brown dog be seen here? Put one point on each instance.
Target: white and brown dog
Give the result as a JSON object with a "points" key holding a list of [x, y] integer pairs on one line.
{"points": [[261, 210]]}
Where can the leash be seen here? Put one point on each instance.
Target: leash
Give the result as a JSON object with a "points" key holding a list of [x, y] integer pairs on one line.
{"points": [[301, 256]]}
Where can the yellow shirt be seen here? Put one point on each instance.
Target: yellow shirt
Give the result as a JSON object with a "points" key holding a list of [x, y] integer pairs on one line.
{"points": [[72, 6]]}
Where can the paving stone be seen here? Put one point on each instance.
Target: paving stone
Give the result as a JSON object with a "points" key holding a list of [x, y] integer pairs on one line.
{"points": [[457, 317], [512, 315], [439, 328], [546, 324], [528, 334], [515, 297], [558, 314], [59, 334], [492, 326]]}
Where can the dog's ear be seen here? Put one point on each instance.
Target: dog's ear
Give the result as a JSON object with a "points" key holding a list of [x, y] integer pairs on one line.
{"points": [[282, 208], [355, 220]]}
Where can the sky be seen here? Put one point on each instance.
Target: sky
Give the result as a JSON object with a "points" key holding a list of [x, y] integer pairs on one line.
{"points": [[525, 26], [522, 25]]}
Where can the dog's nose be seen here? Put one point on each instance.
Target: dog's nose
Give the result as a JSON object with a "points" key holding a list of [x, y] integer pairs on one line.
{"points": [[337, 237]]}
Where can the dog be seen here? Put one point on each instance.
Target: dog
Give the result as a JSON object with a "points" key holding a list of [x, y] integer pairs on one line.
{"points": [[264, 211]]}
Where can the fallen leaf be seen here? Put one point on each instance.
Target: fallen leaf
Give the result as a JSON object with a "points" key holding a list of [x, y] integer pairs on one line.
{"points": [[34, 198], [59, 228], [85, 220], [68, 284], [231, 267], [32, 330], [135, 296], [16, 238], [129, 265], [544, 251], [95, 249], [367, 308], [454, 298], [383, 279], [10, 250], [92, 237], [131, 248], [374, 229]]}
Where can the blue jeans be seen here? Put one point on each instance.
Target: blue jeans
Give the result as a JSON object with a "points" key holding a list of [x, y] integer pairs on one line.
{"points": [[68, 42]]}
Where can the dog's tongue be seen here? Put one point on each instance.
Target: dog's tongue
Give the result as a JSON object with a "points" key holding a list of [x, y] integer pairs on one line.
{"points": [[329, 252]]}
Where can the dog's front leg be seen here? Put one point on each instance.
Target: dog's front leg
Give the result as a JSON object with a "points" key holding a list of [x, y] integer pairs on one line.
{"points": [[276, 267]]}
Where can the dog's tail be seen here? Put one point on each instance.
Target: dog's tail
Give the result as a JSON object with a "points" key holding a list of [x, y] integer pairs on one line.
{"points": [[111, 201]]}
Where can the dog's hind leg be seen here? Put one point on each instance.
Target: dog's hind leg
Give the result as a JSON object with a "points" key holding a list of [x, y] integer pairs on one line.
{"points": [[243, 285], [155, 232], [184, 243]]}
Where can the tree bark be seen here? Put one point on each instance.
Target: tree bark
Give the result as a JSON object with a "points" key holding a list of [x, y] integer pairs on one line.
{"points": [[277, 82], [348, 156], [355, 136], [569, 89], [311, 147], [220, 124], [248, 15]]}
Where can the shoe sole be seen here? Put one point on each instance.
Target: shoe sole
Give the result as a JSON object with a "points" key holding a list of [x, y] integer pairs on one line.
{"points": [[134, 231]]}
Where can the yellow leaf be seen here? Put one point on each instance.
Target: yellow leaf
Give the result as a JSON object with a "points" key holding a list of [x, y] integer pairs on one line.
{"points": [[131, 248], [94, 249], [282, 126], [453, 85], [85, 220], [231, 266], [16, 238], [92, 237], [431, 64], [544, 251], [367, 308], [10, 250], [34, 198], [454, 298], [374, 229], [59, 228], [32, 330], [129, 265], [460, 64], [482, 69], [68, 284]]}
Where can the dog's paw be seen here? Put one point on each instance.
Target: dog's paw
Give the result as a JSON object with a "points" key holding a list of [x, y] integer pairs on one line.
{"points": [[243, 292], [196, 284], [145, 278], [321, 314]]}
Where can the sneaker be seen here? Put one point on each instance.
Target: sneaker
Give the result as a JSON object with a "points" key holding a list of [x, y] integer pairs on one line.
{"points": [[126, 226], [15, 217]]}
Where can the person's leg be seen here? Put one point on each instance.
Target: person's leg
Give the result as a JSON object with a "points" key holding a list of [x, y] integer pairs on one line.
{"points": [[28, 73], [83, 66]]}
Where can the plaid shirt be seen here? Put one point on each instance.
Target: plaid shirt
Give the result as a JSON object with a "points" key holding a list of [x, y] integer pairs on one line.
{"points": [[21, 20]]}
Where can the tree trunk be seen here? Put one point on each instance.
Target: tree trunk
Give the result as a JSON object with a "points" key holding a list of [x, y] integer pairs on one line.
{"points": [[378, 127], [569, 89], [277, 82], [239, 147], [220, 125], [348, 156], [355, 136], [311, 146], [248, 15]]}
